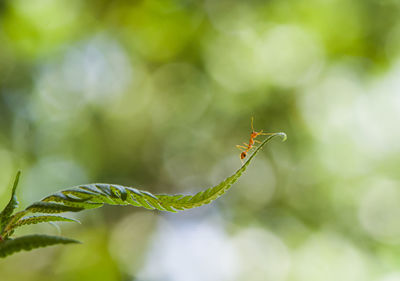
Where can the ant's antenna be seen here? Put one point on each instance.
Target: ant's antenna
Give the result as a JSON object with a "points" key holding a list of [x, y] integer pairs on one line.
{"points": [[252, 119]]}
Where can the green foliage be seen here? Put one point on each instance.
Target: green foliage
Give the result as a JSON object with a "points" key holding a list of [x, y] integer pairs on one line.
{"points": [[95, 195], [91, 196]]}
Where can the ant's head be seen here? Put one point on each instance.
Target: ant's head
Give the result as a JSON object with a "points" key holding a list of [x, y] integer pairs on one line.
{"points": [[243, 155]]}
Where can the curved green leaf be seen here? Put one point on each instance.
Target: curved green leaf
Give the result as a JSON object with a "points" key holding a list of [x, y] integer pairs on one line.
{"points": [[95, 195]]}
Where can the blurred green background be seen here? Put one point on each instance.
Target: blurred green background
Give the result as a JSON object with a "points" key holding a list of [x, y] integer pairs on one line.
{"points": [[155, 94]]}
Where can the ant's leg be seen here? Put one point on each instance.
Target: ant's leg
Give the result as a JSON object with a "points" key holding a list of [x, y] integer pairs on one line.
{"points": [[257, 141], [241, 147], [246, 144], [265, 134]]}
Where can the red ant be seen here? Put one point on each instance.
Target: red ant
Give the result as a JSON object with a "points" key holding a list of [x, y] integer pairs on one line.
{"points": [[245, 149]]}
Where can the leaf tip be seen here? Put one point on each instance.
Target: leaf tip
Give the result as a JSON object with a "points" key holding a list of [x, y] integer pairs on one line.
{"points": [[282, 135], [16, 181]]}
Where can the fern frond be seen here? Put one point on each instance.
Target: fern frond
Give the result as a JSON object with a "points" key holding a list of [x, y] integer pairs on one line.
{"points": [[91, 196], [12, 204], [30, 242]]}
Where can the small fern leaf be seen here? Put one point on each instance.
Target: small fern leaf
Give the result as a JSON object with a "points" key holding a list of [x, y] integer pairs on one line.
{"points": [[30, 242], [41, 218], [12, 204], [95, 195]]}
